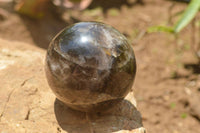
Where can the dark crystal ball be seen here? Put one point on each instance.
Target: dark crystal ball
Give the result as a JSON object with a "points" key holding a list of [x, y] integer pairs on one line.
{"points": [[90, 66]]}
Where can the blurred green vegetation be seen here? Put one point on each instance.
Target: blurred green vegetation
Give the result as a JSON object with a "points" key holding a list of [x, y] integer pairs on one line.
{"points": [[187, 16]]}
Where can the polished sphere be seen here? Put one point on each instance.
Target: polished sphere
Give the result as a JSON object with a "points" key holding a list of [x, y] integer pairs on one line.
{"points": [[90, 66]]}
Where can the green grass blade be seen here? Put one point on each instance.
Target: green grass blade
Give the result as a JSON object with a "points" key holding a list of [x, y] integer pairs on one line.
{"points": [[188, 15]]}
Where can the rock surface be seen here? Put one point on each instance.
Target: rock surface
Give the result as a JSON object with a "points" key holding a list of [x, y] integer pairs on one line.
{"points": [[28, 105]]}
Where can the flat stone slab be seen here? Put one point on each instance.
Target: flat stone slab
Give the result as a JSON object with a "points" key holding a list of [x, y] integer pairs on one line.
{"points": [[27, 104]]}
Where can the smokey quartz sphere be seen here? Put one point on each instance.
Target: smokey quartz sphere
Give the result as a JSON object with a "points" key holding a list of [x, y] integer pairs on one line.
{"points": [[90, 66]]}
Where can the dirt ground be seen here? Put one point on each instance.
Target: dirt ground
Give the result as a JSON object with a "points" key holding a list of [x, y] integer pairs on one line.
{"points": [[167, 84]]}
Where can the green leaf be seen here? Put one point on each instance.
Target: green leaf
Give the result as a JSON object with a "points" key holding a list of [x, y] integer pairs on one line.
{"points": [[188, 15], [75, 1], [173, 105], [184, 115], [113, 12], [160, 29]]}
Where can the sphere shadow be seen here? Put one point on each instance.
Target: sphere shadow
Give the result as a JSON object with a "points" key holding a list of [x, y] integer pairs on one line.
{"points": [[43, 30], [123, 116]]}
